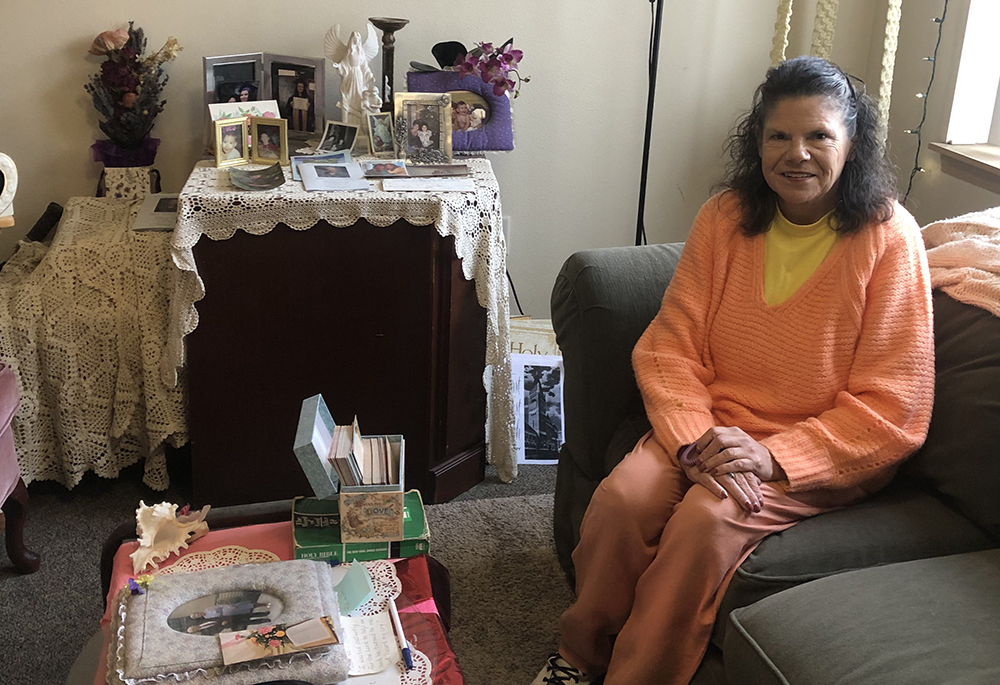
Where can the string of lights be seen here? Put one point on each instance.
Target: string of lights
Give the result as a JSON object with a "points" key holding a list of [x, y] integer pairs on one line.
{"points": [[923, 96]]}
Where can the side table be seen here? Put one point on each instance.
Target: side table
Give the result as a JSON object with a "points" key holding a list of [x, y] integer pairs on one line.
{"points": [[392, 305], [259, 529]]}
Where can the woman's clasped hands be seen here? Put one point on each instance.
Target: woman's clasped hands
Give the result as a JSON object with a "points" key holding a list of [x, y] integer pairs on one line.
{"points": [[728, 462]]}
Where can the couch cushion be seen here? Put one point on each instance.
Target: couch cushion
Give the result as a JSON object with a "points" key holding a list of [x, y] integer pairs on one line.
{"points": [[933, 621], [961, 457], [901, 523]]}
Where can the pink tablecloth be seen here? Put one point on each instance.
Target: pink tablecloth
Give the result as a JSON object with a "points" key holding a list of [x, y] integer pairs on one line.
{"points": [[418, 611]]}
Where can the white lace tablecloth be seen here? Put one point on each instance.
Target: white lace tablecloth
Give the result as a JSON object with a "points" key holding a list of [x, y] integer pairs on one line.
{"points": [[83, 323], [210, 205]]}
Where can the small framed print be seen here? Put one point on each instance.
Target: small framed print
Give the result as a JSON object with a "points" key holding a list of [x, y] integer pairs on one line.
{"points": [[231, 147], [380, 138], [270, 140], [423, 127], [337, 136]]}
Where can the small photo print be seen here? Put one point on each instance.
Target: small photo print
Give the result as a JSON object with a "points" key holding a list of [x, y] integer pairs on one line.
{"points": [[268, 139], [469, 111], [242, 91], [166, 204], [380, 134], [276, 639], [331, 171], [225, 611], [337, 136], [385, 169], [425, 129], [539, 427], [232, 146]]}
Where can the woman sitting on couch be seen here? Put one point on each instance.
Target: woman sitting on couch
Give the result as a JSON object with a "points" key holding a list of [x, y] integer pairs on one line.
{"points": [[788, 372]]}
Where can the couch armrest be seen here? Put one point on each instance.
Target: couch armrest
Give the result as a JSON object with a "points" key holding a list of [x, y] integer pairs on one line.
{"points": [[602, 302]]}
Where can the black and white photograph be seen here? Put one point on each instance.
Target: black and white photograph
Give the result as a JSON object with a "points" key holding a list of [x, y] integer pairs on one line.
{"points": [[539, 428], [337, 136], [225, 612]]}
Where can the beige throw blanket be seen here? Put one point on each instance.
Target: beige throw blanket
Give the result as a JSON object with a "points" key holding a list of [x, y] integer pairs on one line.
{"points": [[964, 257]]}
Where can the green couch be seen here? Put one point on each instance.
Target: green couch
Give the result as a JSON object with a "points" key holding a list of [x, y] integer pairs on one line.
{"points": [[903, 588]]}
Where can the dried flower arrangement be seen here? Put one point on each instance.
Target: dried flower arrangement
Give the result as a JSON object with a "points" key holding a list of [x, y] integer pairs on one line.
{"points": [[126, 91]]}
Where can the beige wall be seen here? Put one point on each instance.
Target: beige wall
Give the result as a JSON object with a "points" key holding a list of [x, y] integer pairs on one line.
{"points": [[571, 184]]}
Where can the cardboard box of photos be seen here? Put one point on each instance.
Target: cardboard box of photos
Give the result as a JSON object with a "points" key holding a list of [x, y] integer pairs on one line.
{"points": [[367, 513]]}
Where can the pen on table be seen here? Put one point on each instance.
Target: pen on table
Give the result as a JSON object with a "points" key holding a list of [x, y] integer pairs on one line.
{"points": [[404, 647]]}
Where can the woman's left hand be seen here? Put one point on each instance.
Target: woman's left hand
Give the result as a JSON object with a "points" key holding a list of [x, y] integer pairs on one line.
{"points": [[727, 449]]}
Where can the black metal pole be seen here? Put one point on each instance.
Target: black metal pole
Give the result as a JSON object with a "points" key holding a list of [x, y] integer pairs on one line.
{"points": [[640, 228]]}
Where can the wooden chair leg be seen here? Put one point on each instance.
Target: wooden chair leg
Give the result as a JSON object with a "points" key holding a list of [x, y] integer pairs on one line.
{"points": [[14, 509]]}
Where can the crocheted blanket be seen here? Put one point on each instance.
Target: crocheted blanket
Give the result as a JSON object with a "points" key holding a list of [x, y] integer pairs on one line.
{"points": [[964, 257]]}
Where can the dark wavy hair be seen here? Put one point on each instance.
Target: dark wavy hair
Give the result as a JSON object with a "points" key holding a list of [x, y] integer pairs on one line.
{"points": [[867, 187]]}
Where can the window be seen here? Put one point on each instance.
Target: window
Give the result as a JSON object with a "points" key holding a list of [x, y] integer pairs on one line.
{"points": [[975, 116]]}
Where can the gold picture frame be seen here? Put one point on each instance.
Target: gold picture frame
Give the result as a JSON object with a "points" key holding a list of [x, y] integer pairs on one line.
{"points": [[379, 145], [423, 127], [268, 151], [230, 138]]}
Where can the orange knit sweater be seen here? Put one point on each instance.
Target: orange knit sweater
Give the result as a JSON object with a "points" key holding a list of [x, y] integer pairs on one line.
{"points": [[837, 381]]}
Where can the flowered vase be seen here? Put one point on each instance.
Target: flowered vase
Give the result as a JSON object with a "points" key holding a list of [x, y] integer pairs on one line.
{"points": [[113, 155]]}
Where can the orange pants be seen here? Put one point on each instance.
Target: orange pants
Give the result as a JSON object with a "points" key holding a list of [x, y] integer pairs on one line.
{"points": [[655, 557]]}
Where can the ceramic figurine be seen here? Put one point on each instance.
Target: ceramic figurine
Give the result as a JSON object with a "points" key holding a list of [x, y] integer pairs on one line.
{"points": [[162, 532], [359, 91]]}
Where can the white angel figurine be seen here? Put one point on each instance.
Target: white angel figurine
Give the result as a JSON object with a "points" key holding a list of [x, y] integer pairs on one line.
{"points": [[359, 92]]}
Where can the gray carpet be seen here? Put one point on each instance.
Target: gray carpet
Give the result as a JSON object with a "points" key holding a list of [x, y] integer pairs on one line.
{"points": [[507, 587], [49, 615]]}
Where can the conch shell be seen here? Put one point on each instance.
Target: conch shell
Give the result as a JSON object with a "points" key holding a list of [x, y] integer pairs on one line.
{"points": [[162, 532]]}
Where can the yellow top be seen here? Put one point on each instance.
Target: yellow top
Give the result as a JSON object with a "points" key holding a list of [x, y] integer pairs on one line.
{"points": [[792, 253]]}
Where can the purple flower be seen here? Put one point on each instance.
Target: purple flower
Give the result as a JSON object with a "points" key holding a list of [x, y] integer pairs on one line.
{"points": [[468, 66], [501, 86], [510, 56], [493, 69]]}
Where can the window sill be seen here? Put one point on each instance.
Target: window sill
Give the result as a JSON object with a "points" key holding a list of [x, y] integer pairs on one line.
{"points": [[977, 164]]}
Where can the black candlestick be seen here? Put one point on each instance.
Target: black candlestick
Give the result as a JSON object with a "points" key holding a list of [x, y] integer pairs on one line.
{"points": [[388, 27], [654, 57]]}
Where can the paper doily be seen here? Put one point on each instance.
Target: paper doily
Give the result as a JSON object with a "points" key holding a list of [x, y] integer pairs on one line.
{"points": [[229, 555]]}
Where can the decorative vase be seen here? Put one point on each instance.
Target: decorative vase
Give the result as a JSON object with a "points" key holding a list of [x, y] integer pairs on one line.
{"points": [[113, 155]]}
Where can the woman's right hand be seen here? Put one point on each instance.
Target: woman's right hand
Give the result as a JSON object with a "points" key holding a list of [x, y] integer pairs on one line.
{"points": [[744, 487]]}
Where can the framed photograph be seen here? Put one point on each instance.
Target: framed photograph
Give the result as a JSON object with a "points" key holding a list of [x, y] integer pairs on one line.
{"points": [[423, 127], [231, 147], [337, 136], [270, 140], [229, 79], [380, 139], [233, 78], [480, 120], [297, 84], [539, 425]]}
